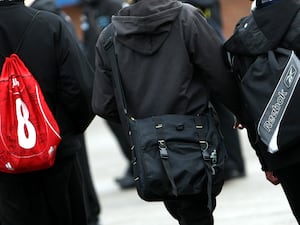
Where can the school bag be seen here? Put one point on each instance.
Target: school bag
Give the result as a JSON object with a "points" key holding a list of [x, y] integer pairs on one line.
{"points": [[268, 80], [29, 133], [270, 91]]}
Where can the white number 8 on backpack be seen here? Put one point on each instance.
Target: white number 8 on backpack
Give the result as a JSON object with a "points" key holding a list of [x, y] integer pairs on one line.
{"points": [[26, 130]]}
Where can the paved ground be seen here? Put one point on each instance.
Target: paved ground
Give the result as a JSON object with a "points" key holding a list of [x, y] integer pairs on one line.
{"points": [[247, 201]]}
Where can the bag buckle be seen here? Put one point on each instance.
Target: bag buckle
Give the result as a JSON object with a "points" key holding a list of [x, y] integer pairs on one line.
{"points": [[163, 149], [210, 156], [214, 160], [213, 157]]}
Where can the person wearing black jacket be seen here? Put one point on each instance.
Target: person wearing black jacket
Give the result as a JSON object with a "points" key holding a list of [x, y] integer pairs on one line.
{"points": [[93, 207], [170, 62], [55, 195], [271, 24]]}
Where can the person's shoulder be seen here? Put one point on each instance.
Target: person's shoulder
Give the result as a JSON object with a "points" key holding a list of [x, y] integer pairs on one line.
{"points": [[47, 20], [189, 10], [190, 13], [48, 17], [106, 34]]}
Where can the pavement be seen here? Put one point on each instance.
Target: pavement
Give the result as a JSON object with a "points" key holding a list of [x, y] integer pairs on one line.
{"points": [[251, 200]]}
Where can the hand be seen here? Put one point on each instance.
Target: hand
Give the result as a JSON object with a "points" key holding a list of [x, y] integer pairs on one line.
{"points": [[238, 125], [270, 177]]}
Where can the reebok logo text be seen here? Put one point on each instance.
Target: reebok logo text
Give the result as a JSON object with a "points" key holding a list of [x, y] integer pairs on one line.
{"points": [[275, 110]]}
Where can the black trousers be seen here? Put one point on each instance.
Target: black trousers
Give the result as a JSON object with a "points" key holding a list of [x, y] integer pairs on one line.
{"points": [[191, 210], [49, 197], [289, 179]]}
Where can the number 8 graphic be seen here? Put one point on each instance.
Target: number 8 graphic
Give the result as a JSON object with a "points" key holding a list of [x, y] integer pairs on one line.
{"points": [[26, 130]]}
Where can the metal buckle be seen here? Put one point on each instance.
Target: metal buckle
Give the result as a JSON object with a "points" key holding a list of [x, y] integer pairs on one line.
{"points": [[163, 149], [203, 143]]}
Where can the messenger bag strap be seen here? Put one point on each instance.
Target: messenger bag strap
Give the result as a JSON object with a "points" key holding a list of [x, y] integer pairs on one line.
{"points": [[202, 128], [110, 49], [163, 151]]}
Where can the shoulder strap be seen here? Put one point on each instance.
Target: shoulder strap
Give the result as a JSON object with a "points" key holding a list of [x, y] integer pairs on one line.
{"points": [[25, 32], [108, 43]]}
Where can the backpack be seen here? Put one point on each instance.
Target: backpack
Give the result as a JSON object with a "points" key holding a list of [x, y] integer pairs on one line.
{"points": [[270, 92], [29, 133], [267, 71]]}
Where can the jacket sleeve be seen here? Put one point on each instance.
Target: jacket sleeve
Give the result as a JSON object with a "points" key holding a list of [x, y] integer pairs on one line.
{"points": [[103, 99], [206, 52], [75, 82]]}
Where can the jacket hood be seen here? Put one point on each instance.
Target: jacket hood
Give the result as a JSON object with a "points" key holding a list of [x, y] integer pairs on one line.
{"points": [[145, 25], [261, 30]]}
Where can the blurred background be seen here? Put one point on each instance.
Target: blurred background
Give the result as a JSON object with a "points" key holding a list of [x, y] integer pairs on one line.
{"points": [[232, 10]]}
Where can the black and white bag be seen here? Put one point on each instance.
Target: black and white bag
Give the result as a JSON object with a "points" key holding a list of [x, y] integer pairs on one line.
{"points": [[271, 93]]}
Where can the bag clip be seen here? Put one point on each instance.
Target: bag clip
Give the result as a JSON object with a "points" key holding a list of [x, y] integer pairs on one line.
{"points": [[163, 149], [214, 160]]}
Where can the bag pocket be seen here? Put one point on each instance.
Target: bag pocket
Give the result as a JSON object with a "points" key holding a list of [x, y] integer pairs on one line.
{"points": [[186, 167]]}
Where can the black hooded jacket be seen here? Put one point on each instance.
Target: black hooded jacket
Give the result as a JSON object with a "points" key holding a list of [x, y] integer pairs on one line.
{"points": [[266, 28], [170, 61]]}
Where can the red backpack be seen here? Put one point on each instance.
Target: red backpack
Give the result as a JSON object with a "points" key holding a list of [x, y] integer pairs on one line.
{"points": [[29, 134]]}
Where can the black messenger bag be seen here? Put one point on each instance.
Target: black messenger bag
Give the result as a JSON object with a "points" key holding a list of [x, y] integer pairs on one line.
{"points": [[173, 155]]}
